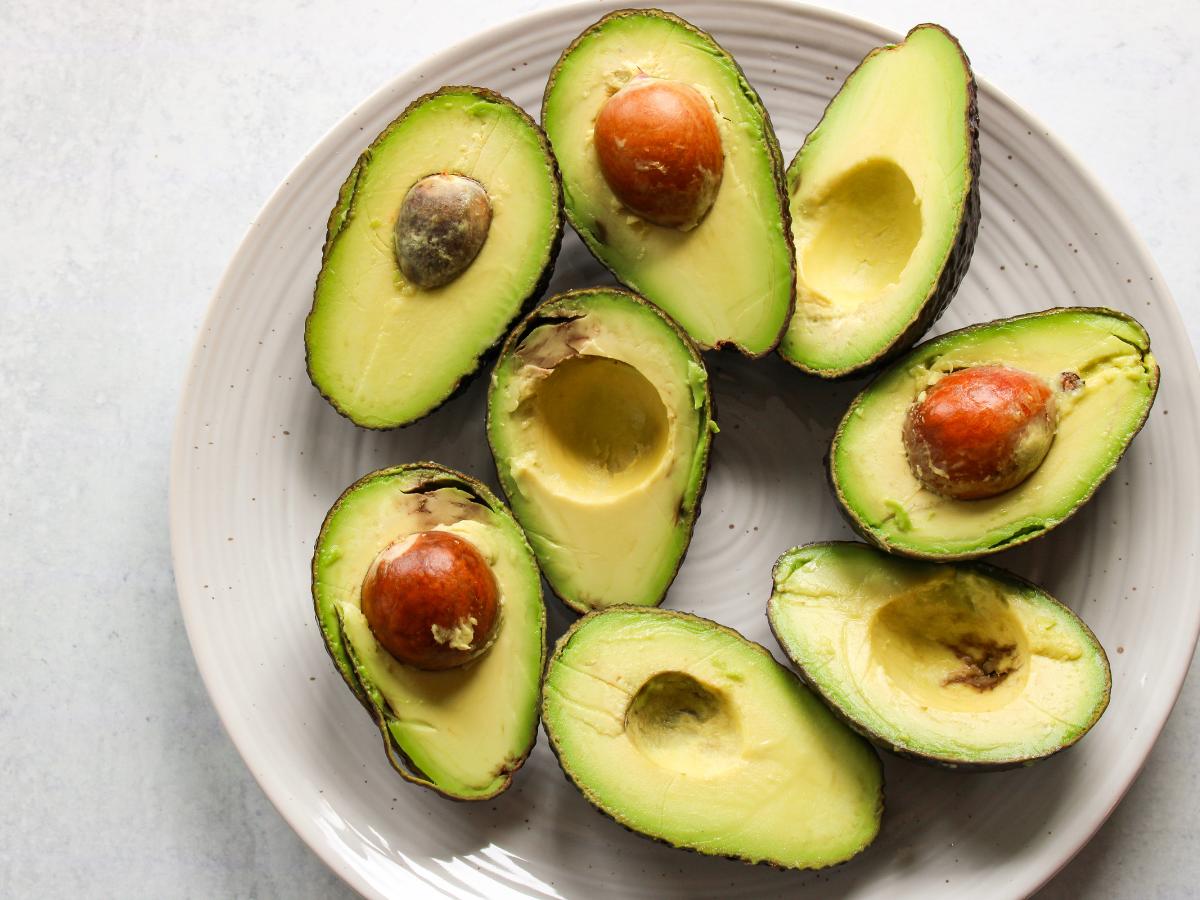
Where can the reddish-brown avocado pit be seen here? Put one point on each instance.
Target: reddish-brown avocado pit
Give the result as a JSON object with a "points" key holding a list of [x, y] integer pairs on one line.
{"points": [[431, 600], [660, 151], [980, 431]]}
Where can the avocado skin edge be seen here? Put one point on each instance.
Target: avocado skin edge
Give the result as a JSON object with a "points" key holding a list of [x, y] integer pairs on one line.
{"points": [[588, 795], [772, 142], [446, 477], [941, 762], [709, 411], [343, 210], [875, 540], [961, 249]]}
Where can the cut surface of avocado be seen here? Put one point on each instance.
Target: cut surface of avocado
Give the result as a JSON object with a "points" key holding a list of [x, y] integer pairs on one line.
{"points": [[961, 664], [383, 350], [884, 199], [600, 420], [1099, 363], [683, 730], [729, 280], [463, 731]]}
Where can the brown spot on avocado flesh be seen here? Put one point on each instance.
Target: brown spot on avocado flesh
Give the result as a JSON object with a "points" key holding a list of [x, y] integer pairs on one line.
{"points": [[985, 663]]}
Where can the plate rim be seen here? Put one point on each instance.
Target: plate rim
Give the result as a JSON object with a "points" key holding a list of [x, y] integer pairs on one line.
{"points": [[187, 595]]}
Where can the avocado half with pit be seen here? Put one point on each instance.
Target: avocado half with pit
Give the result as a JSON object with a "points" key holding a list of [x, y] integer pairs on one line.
{"points": [[461, 731], [682, 730], [1100, 379], [884, 199], [447, 224], [964, 665], [673, 177], [600, 420]]}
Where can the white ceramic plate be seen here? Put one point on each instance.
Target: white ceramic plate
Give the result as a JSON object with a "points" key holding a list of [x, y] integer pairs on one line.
{"points": [[259, 457]]}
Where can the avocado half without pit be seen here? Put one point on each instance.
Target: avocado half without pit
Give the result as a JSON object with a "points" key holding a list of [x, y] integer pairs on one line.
{"points": [[987, 437], [446, 226], [884, 199], [672, 176], [684, 731], [430, 605], [600, 420], [964, 665]]}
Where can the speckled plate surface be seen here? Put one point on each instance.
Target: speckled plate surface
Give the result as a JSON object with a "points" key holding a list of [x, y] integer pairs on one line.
{"points": [[258, 458]]}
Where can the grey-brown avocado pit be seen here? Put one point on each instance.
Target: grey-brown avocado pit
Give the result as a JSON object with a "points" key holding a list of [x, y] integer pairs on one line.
{"points": [[442, 225]]}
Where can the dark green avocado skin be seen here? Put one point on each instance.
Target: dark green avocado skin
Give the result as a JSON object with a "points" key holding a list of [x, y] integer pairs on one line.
{"points": [[961, 250], [585, 234], [590, 796], [862, 529], [343, 209], [429, 476], [956, 765]]}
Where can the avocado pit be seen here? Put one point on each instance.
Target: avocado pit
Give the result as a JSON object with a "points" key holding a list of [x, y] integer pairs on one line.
{"points": [[660, 151], [442, 225], [431, 600], [980, 431]]}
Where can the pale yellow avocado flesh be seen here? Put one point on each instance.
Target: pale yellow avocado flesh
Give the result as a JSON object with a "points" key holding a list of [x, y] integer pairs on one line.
{"points": [[876, 194], [600, 426], [960, 664], [729, 279], [685, 731], [1108, 351], [385, 351], [464, 729]]}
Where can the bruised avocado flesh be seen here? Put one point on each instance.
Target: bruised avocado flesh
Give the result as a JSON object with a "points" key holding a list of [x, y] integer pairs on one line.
{"points": [[884, 199], [463, 731], [384, 350], [1099, 363], [600, 421], [960, 664], [729, 280], [683, 730]]}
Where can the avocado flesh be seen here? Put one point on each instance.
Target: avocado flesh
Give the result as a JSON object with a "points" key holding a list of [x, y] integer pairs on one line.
{"points": [[884, 201], [961, 664], [600, 421], [460, 731], [1108, 350], [383, 351], [682, 730], [727, 281]]}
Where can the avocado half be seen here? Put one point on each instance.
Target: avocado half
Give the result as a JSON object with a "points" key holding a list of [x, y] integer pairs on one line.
{"points": [[884, 199], [728, 281], [1105, 377], [682, 730], [963, 665], [462, 732], [383, 350], [600, 421]]}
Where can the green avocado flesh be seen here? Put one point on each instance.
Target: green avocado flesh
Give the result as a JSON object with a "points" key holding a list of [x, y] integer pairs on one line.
{"points": [[600, 420], [885, 205], [727, 281], [959, 664], [383, 351], [460, 731], [683, 730], [1107, 350]]}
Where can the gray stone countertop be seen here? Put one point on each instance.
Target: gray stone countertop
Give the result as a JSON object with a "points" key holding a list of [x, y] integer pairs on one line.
{"points": [[137, 142]]}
